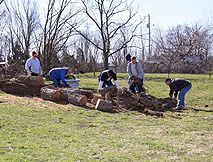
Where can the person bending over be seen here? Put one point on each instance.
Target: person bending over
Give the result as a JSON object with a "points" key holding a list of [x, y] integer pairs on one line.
{"points": [[176, 85], [105, 78], [58, 74]]}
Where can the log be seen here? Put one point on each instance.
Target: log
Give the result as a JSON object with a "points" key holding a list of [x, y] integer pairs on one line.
{"points": [[77, 99], [128, 101], [104, 105], [31, 80], [89, 105], [150, 102], [50, 94], [153, 113], [10, 87], [33, 91], [87, 93], [2, 83], [112, 89], [95, 99], [22, 89], [168, 102], [65, 92]]}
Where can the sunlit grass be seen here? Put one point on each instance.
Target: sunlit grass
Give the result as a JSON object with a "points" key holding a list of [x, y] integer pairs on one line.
{"points": [[32, 129]]}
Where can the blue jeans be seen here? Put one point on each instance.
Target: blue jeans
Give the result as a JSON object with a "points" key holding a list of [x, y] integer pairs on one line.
{"points": [[182, 96], [108, 83], [53, 78]]}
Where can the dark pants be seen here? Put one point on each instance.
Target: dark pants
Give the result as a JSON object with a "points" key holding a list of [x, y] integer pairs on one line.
{"points": [[136, 82], [33, 74], [108, 83]]}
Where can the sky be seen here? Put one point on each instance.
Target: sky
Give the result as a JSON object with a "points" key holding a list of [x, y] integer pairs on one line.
{"points": [[168, 13]]}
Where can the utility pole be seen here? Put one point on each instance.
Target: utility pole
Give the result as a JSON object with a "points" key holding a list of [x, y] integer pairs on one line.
{"points": [[148, 26]]}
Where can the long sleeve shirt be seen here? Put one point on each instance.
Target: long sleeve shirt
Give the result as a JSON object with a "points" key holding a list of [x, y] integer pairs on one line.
{"points": [[104, 77], [138, 68], [33, 65], [176, 85], [58, 73]]}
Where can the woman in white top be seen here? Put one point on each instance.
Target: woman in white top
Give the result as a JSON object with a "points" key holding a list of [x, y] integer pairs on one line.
{"points": [[32, 65]]}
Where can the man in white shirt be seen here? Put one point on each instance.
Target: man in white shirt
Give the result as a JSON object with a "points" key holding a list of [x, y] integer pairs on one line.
{"points": [[32, 65]]}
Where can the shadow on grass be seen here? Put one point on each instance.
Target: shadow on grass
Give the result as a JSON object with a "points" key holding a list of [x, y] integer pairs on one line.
{"points": [[197, 110]]}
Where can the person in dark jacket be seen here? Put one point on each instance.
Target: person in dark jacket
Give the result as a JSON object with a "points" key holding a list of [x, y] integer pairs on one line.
{"points": [[176, 85], [105, 78], [58, 74]]}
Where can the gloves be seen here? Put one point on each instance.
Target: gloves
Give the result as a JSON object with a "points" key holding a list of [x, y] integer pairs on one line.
{"points": [[28, 73], [67, 85], [132, 78], [40, 72]]}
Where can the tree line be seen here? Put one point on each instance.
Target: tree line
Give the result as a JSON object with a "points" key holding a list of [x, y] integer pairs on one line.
{"points": [[83, 33]]}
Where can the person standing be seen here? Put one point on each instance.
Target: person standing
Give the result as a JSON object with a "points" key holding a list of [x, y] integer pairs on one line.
{"points": [[33, 66], [58, 74], [136, 75], [105, 78], [176, 85]]}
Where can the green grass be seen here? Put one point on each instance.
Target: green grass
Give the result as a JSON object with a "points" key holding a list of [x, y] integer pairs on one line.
{"points": [[32, 129]]}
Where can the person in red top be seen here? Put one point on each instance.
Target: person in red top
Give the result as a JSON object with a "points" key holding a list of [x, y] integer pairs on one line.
{"points": [[176, 85]]}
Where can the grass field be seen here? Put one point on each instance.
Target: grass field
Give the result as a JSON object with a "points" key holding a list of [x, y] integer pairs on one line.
{"points": [[32, 129]]}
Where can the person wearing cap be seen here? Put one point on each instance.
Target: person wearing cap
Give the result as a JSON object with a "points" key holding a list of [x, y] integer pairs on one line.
{"points": [[33, 66], [58, 74], [136, 75], [176, 85], [105, 78]]}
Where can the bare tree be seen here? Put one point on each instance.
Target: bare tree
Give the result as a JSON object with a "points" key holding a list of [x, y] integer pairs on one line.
{"points": [[184, 46], [60, 19], [23, 22], [105, 16]]}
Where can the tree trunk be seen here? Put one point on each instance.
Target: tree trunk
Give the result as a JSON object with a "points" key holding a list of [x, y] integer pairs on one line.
{"points": [[106, 61], [128, 101], [65, 92], [112, 89], [87, 93], [95, 99], [77, 99], [168, 102], [50, 94], [104, 105], [31, 80], [93, 66], [22, 89], [2, 83], [11, 87], [150, 102]]}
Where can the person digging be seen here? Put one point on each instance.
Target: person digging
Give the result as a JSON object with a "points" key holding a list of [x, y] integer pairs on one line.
{"points": [[178, 85]]}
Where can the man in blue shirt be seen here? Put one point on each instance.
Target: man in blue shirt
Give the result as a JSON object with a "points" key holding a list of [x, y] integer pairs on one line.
{"points": [[58, 74]]}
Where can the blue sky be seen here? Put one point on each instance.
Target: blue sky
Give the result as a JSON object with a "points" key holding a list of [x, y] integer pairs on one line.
{"points": [[167, 13]]}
